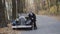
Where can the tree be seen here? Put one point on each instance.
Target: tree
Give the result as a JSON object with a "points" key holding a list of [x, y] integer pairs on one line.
{"points": [[3, 22], [20, 5], [57, 5], [14, 9]]}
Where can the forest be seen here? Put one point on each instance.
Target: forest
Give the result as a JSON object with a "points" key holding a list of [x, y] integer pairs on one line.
{"points": [[9, 9], [41, 7], [51, 7]]}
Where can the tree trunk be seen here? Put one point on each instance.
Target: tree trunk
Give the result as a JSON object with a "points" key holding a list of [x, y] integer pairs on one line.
{"points": [[13, 9], [2, 14], [20, 5], [57, 5]]}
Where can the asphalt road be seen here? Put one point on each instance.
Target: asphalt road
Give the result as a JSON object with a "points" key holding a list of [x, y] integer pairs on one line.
{"points": [[46, 25]]}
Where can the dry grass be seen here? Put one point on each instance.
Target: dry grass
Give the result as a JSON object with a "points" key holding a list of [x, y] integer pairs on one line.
{"points": [[56, 17], [43, 12], [8, 30]]}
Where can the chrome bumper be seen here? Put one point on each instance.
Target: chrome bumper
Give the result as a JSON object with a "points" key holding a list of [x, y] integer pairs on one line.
{"points": [[22, 26]]}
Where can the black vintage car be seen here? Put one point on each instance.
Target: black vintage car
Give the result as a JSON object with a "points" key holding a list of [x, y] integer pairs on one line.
{"points": [[22, 23]]}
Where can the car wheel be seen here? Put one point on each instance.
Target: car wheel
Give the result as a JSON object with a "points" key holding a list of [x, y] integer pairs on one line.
{"points": [[32, 28], [14, 28]]}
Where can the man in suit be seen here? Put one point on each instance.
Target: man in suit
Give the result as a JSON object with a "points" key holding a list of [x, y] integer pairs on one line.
{"points": [[32, 17]]}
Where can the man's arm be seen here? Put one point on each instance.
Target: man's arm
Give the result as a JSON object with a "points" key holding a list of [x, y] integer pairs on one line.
{"points": [[34, 16]]}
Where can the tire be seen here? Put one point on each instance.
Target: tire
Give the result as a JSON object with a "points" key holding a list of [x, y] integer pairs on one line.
{"points": [[32, 28], [14, 28]]}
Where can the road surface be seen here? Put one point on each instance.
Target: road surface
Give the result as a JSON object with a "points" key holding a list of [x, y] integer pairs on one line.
{"points": [[46, 25]]}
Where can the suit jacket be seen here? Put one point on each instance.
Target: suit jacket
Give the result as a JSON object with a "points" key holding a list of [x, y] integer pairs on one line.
{"points": [[32, 16]]}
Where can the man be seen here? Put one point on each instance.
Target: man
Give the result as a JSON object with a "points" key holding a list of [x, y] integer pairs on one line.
{"points": [[32, 17]]}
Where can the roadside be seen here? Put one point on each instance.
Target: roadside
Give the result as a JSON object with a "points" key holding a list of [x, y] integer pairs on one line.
{"points": [[43, 12], [8, 30], [55, 17]]}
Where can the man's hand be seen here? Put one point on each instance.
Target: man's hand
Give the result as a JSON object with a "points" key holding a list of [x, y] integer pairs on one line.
{"points": [[32, 18]]}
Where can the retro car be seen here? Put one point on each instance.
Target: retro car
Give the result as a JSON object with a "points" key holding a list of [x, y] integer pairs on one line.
{"points": [[22, 23]]}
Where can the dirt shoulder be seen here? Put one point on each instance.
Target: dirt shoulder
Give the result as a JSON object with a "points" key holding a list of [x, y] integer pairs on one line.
{"points": [[8, 30], [55, 17]]}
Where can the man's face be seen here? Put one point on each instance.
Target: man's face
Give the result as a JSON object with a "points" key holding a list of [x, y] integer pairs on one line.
{"points": [[30, 12]]}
